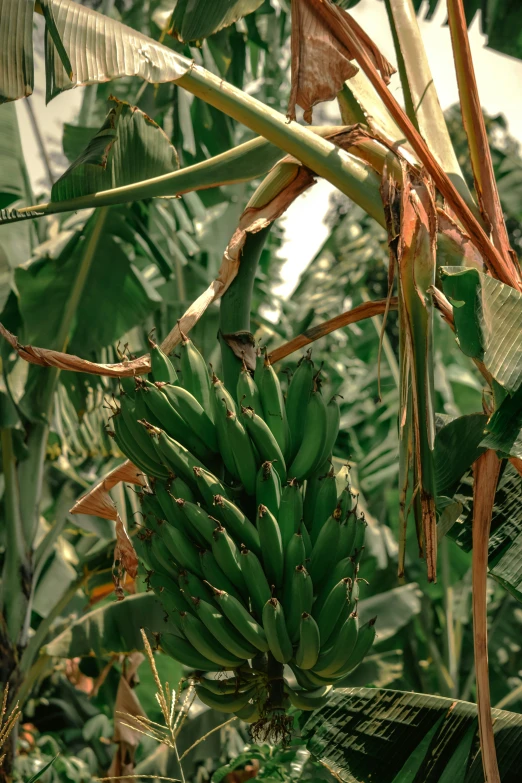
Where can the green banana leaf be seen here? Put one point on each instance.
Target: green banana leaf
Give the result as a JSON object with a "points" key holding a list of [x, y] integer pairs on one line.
{"points": [[16, 37], [457, 446], [367, 734], [488, 321], [12, 170], [45, 285], [196, 19], [505, 540], [113, 628], [129, 147], [394, 609]]}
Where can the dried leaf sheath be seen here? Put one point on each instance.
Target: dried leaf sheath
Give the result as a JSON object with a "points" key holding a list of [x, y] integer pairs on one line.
{"points": [[485, 472], [412, 226]]}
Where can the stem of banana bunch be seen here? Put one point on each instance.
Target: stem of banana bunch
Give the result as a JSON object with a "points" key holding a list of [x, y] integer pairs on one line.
{"points": [[236, 305]]}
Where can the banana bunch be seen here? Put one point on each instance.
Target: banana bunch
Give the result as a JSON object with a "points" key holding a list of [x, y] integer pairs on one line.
{"points": [[249, 546]]}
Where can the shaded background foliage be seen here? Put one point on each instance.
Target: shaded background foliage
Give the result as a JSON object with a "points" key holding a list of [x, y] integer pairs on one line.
{"points": [[152, 260]]}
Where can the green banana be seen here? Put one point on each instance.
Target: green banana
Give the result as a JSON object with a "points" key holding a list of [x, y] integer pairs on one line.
{"points": [[325, 503], [222, 630], [333, 420], [313, 485], [271, 546], [162, 368], [192, 586], [228, 685], [276, 632], [255, 580], [290, 512], [128, 385], [344, 568], [306, 539], [324, 550], [208, 486], [295, 554], [223, 402], [297, 399], [247, 393], [328, 614], [225, 702], [264, 441], [308, 679], [170, 420], [250, 713], [360, 534], [274, 411], [347, 537], [345, 502], [206, 644], [268, 488], [136, 432], [242, 452], [175, 456], [181, 650], [309, 645], [195, 374], [159, 582], [309, 700], [242, 620], [330, 661], [192, 412], [365, 640], [173, 602], [132, 450], [297, 600], [200, 524], [241, 528], [214, 575], [311, 449], [227, 557], [169, 507], [186, 551]]}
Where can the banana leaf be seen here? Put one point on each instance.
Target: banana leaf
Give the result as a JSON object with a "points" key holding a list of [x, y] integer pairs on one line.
{"points": [[505, 541], [368, 734], [196, 19], [111, 629], [16, 37], [129, 147]]}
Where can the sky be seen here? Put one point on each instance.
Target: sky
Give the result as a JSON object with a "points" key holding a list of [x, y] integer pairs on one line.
{"points": [[500, 85]]}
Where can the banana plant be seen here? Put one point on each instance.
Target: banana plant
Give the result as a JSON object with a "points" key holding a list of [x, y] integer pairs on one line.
{"points": [[414, 189]]}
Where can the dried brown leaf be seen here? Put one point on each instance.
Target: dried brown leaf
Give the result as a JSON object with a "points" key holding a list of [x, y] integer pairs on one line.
{"points": [[127, 707], [319, 36], [485, 474], [97, 500], [313, 45], [359, 313]]}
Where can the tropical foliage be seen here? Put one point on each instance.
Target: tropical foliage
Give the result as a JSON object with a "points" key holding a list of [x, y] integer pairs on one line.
{"points": [[421, 224]]}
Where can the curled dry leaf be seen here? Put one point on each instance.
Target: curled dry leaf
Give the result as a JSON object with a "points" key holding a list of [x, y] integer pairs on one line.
{"points": [[319, 35], [359, 313], [485, 474], [127, 708], [98, 502]]}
